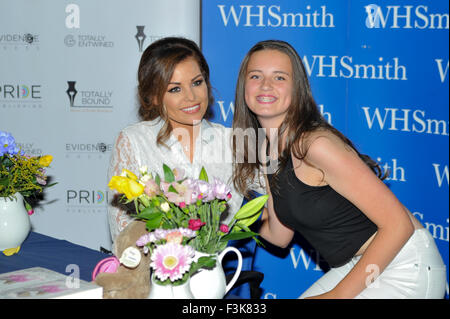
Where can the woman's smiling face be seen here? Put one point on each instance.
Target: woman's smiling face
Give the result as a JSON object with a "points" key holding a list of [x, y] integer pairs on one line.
{"points": [[186, 97], [269, 85]]}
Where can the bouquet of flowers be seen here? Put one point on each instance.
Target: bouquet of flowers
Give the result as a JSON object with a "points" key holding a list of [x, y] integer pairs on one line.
{"points": [[184, 215], [20, 173]]}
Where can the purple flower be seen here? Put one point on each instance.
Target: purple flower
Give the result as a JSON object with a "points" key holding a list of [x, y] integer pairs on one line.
{"points": [[221, 190], [7, 144], [183, 193], [206, 190]]}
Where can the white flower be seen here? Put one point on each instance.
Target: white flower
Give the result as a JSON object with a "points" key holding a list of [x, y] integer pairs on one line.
{"points": [[143, 170], [144, 179], [165, 207]]}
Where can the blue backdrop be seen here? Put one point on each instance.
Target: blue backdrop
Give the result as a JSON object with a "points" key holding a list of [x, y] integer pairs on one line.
{"points": [[380, 75]]}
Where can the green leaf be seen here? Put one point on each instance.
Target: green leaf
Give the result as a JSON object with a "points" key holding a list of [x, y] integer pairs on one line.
{"points": [[203, 262], [153, 223], [148, 213], [153, 217], [238, 236], [158, 180], [172, 189], [168, 174], [252, 207], [203, 176], [251, 219], [4, 181]]}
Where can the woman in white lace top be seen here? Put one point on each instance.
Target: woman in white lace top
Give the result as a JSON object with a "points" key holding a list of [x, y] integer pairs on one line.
{"points": [[175, 96]]}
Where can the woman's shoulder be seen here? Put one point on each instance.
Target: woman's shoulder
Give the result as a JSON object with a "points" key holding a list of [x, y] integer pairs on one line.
{"points": [[322, 142], [154, 125]]}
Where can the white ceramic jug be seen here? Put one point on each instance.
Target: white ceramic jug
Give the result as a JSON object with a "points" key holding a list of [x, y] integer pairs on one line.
{"points": [[211, 283], [14, 222], [182, 291]]}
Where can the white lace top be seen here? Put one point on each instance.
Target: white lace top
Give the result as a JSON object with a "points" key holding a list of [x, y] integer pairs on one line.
{"points": [[136, 146]]}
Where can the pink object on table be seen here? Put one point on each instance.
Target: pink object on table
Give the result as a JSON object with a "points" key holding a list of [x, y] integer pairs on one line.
{"points": [[108, 265]]}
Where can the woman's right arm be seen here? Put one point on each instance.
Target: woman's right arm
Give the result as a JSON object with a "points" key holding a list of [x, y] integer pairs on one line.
{"points": [[122, 157], [272, 229]]}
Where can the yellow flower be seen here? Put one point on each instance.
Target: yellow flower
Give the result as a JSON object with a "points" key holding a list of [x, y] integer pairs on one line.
{"points": [[45, 160], [129, 174], [127, 186]]}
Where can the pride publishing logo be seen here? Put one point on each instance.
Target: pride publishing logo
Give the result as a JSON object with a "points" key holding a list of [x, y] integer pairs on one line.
{"points": [[86, 201], [19, 95], [88, 100]]}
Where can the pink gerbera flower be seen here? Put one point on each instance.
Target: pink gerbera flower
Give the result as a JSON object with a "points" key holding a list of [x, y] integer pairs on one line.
{"points": [[171, 261]]}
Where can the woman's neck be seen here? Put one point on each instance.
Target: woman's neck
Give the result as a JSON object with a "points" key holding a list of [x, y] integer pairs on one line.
{"points": [[186, 135]]}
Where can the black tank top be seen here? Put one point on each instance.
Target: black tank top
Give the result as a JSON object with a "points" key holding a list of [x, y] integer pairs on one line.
{"points": [[328, 221]]}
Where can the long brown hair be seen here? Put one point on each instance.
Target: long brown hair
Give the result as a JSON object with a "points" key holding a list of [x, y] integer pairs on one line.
{"points": [[304, 118], [155, 70]]}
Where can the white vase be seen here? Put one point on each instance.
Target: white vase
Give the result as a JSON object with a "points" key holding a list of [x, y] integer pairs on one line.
{"points": [[211, 283], [14, 222], [158, 291]]}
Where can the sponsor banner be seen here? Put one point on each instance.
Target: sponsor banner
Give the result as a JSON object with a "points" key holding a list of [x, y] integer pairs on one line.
{"points": [[68, 86], [379, 73]]}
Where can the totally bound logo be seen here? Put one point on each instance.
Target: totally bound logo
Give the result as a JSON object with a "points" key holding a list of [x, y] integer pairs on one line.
{"points": [[141, 37], [88, 99]]}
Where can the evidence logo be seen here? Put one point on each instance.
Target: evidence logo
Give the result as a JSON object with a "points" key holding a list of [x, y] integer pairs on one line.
{"points": [[16, 41], [87, 150]]}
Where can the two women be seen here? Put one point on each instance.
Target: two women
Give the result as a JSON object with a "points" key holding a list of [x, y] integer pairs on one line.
{"points": [[323, 187]]}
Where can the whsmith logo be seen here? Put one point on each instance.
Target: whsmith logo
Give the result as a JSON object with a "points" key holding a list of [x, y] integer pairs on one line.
{"points": [[404, 120], [227, 113], [333, 66], [88, 100], [404, 17], [273, 16]]}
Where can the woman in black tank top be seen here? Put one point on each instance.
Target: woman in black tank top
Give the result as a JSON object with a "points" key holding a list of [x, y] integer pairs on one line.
{"points": [[322, 187]]}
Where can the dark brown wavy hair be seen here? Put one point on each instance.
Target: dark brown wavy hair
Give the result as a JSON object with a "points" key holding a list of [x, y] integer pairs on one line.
{"points": [[155, 70], [304, 118]]}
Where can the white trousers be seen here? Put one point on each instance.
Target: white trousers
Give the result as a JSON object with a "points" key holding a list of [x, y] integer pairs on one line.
{"points": [[417, 272]]}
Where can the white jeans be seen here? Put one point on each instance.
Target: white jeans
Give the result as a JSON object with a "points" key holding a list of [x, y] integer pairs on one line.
{"points": [[417, 272]]}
